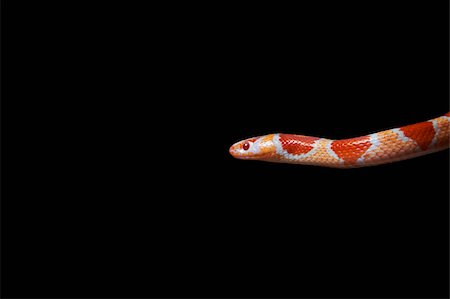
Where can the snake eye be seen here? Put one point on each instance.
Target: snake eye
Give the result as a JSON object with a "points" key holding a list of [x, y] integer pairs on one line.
{"points": [[246, 145]]}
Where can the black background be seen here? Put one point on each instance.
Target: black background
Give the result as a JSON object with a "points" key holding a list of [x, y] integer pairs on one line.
{"points": [[117, 181]]}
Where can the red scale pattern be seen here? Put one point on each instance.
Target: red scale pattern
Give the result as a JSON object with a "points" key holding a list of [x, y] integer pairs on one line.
{"points": [[351, 149], [422, 133], [297, 144]]}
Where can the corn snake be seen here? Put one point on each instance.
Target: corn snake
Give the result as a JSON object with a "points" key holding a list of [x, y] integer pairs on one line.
{"points": [[374, 149]]}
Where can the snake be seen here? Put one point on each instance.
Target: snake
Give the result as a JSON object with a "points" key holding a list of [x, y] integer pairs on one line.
{"points": [[378, 148]]}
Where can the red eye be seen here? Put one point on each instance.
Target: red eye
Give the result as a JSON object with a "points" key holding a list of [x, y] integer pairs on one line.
{"points": [[246, 145]]}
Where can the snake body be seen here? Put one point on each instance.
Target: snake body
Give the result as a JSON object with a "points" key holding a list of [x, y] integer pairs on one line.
{"points": [[374, 149]]}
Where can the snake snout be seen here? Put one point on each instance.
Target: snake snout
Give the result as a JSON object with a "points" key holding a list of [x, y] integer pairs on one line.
{"points": [[234, 151]]}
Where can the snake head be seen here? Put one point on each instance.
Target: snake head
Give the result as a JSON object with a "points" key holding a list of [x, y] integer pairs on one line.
{"points": [[261, 147]]}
